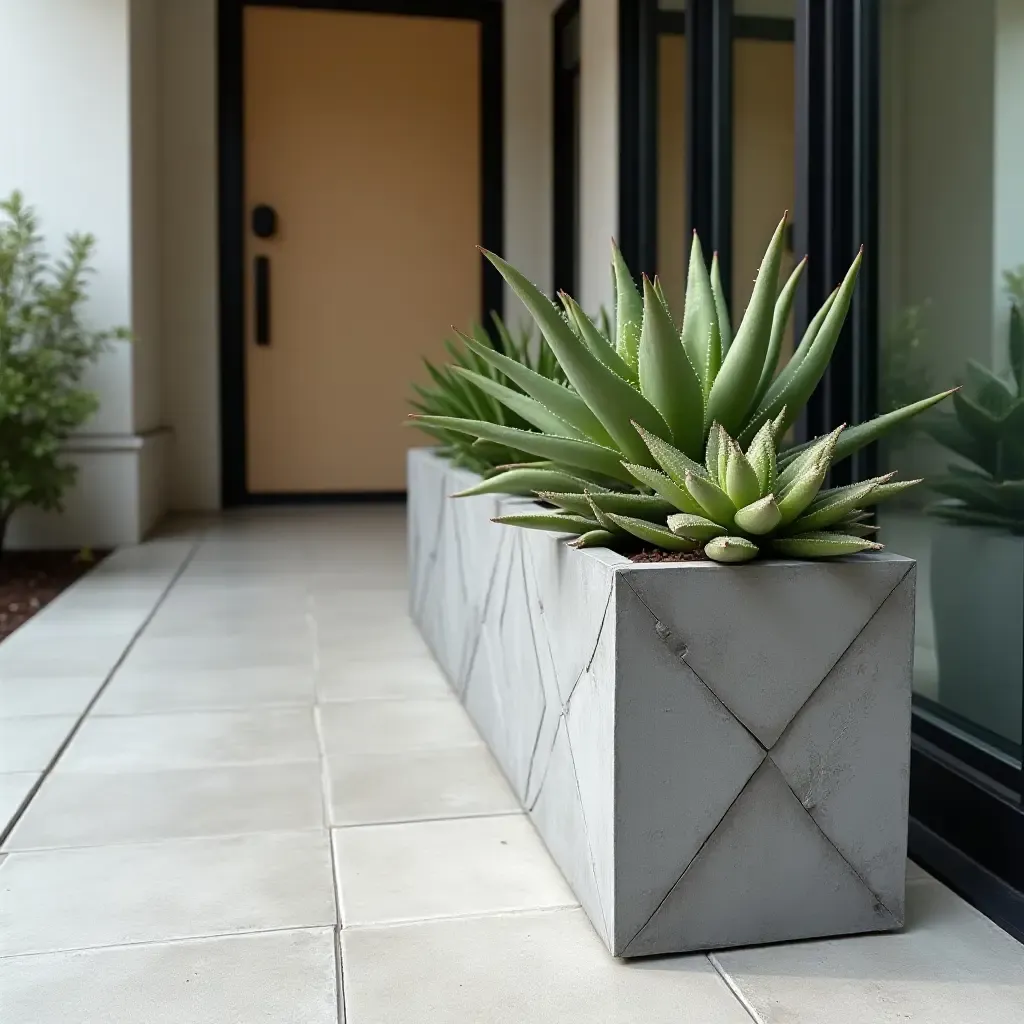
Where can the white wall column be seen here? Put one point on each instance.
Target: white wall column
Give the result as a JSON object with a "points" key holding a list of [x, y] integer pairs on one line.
{"points": [[81, 142]]}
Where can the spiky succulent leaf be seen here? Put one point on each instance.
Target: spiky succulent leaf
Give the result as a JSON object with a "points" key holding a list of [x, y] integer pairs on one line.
{"points": [[629, 310], [733, 391], [554, 522], [731, 550], [522, 405], [659, 536], [665, 487], [700, 334], [596, 342], [780, 320], [711, 461], [525, 482], [674, 462], [714, 502], [741, 482], [667, 377], [565, 450], [760, 517], [611, 399], [604, 521], [821, 448], [565, 404], [761, 456], [812, 368], [785, 375], [800, 493], [593, 539], [855, 438], [640, 506], [721, 306], [822, 544], [694, 527], [822, 515]]}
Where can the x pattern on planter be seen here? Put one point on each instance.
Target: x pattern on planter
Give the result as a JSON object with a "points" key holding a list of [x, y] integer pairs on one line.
{"points": [[702, 767]]}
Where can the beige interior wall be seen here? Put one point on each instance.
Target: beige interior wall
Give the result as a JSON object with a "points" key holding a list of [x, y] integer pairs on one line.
{"points": [[673, 243]]}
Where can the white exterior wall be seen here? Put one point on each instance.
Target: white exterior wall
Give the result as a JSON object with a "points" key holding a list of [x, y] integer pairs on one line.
{"points": [[124, 93], [80, 142]]}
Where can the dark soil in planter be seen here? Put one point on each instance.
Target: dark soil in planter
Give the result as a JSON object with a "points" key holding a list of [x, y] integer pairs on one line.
{"points": [[30, 580], [654, 555]]}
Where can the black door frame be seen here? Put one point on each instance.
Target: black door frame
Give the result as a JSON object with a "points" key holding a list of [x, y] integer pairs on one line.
{"points": [[231, 202]]}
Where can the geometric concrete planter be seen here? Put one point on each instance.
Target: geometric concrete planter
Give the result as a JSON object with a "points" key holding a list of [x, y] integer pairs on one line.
{"points": [[714, 756], [977, 592]]}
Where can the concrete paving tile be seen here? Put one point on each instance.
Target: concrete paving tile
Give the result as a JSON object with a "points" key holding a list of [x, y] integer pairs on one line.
{"points": [[388, 726], [370, 789], [950, 965], [85, 809], [60, 695], [532, 968], [390, 873], [184, 888], [28, 744], [212, 652], [192, 739], [278, 977], [14, 787], [339, 677], [145, 691]]}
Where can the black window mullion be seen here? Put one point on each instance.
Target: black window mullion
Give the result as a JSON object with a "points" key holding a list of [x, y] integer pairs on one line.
{"points": [[638, 139], [709, 128]]}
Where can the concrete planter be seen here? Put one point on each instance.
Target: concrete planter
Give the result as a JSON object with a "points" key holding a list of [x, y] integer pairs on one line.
{"points": [[977, 591], [714, 756]]}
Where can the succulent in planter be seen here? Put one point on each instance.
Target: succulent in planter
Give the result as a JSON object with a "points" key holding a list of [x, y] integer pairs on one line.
{"points": [[463, 388], [986, 429], [668, 434]]}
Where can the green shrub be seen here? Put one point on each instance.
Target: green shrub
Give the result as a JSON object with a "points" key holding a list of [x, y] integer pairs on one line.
{"points": [[45, 349]]}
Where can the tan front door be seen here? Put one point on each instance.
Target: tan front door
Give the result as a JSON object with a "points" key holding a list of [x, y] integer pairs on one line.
{"points": [[362, 132]]}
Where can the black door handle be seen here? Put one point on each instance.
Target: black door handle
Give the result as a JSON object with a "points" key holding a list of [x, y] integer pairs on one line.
{"points": [[261, 267]]}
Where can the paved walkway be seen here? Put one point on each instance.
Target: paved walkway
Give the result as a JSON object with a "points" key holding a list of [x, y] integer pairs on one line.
{"points": [[233, 739]]}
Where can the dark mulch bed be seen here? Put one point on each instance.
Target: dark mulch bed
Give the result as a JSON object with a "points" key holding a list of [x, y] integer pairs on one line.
{"points": [[653, 555], [30, 580]]}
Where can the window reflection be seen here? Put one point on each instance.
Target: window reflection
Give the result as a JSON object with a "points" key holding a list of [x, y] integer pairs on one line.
{"points": [[952, 246]]}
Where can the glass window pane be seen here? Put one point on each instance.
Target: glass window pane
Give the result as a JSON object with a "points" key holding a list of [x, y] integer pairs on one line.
{"points": [[951, 239]]}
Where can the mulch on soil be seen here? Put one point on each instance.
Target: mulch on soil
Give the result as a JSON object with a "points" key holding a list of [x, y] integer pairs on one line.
{"points": [[30, 580], [653, 555]]}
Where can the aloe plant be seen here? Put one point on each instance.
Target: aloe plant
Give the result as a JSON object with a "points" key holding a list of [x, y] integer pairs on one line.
{"points": [[986, 429], [654, 392], [466, 387]]}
